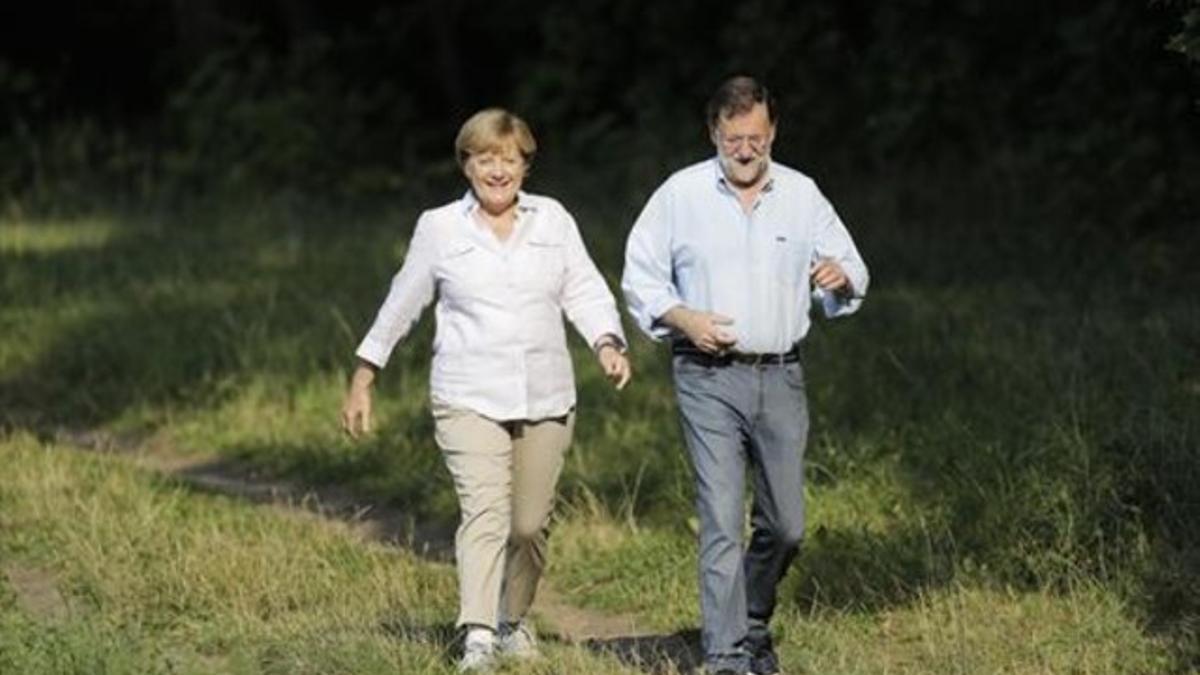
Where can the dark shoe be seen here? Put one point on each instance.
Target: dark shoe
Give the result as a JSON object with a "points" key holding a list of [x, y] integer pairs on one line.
{"points": [[763, 660]]}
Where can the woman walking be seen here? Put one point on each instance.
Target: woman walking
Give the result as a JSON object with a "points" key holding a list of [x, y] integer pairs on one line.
{"points": [[504, 267]]}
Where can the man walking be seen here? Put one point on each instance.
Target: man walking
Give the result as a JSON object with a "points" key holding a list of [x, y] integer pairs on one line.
{"points": [[724, 261]]}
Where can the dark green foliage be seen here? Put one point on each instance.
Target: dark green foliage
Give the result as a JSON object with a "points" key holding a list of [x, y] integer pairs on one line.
{"points": [[1187, 40], [292, 123], [344, 104]]}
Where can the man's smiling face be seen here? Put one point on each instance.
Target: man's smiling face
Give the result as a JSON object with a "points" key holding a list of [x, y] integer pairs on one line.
{"points": [[743, 142]]}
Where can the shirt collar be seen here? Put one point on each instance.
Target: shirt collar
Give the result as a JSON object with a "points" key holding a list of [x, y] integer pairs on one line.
{"points": [[468, 203], [723, 182]]}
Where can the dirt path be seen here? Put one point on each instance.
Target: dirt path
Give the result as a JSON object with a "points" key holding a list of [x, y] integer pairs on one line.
{"points": [[616, 634], [377, 523], [37, 593]]}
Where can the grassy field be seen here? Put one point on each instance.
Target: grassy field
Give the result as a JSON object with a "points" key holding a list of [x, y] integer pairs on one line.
{"points": [[1001, 473]]}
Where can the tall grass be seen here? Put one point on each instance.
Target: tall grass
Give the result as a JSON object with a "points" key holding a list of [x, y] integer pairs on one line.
{"points": [[156, 578]]}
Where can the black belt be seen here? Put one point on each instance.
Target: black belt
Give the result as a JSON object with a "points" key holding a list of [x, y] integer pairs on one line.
{"points": [[725, 358]]}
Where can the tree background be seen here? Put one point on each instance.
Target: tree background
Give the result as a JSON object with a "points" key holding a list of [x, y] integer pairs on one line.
{"points": [[352, 101]]}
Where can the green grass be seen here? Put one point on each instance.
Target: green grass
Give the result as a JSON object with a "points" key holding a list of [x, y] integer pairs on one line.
{"points": [[156, 578], [149, 576], [1000, 477]]}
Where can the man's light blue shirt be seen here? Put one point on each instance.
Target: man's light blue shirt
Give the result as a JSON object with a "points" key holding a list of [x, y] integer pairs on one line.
{"points": [[694, 245]]}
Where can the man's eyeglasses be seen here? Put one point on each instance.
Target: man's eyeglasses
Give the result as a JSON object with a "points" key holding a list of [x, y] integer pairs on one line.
{"points": [[757, 142]]}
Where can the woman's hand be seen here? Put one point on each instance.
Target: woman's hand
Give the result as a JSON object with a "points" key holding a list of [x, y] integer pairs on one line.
{"points": [[356, 408], [614, 364]]}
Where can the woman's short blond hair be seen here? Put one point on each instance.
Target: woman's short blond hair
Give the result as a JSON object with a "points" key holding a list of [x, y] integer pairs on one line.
{"points": [[495, 130]]}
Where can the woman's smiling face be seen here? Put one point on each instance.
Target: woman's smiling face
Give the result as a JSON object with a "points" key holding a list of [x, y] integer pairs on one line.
{"points": [[495, 176]]}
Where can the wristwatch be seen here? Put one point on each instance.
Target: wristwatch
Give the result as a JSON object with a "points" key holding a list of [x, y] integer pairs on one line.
{"points": [[610, 340]]}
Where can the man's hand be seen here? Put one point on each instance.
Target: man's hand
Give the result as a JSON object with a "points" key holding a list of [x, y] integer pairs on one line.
{"points": [[703, 329], [614, 364], [356, 408], [830, 276]]}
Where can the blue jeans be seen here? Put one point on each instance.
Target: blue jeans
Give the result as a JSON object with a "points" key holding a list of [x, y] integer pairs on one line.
{"points": [[736, 415]]}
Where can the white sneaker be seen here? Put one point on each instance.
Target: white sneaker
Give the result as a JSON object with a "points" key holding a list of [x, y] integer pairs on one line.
{"points": [[479, 651], [518, 641]]}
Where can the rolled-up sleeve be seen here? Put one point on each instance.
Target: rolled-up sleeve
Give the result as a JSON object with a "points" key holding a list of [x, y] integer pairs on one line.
{"points": [[410, 293], [647, 280], [586, 299], [833, 241]]}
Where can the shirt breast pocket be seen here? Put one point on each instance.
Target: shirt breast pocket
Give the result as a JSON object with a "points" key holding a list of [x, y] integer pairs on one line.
{"points": [[789, 258], [542, 264], [460, 268]]}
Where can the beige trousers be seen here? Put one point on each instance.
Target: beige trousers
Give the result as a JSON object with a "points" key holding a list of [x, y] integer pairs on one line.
{"points": [[505, 475]]}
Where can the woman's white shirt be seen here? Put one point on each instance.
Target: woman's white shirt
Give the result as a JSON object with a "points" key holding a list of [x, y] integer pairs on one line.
{"points": [[500, 347]]}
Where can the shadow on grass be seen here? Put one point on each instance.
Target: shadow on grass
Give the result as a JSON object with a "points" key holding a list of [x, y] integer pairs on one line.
{"points": [[1038, 438], [164, 316], [442, 635], [678, 652], [866, 571]]}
